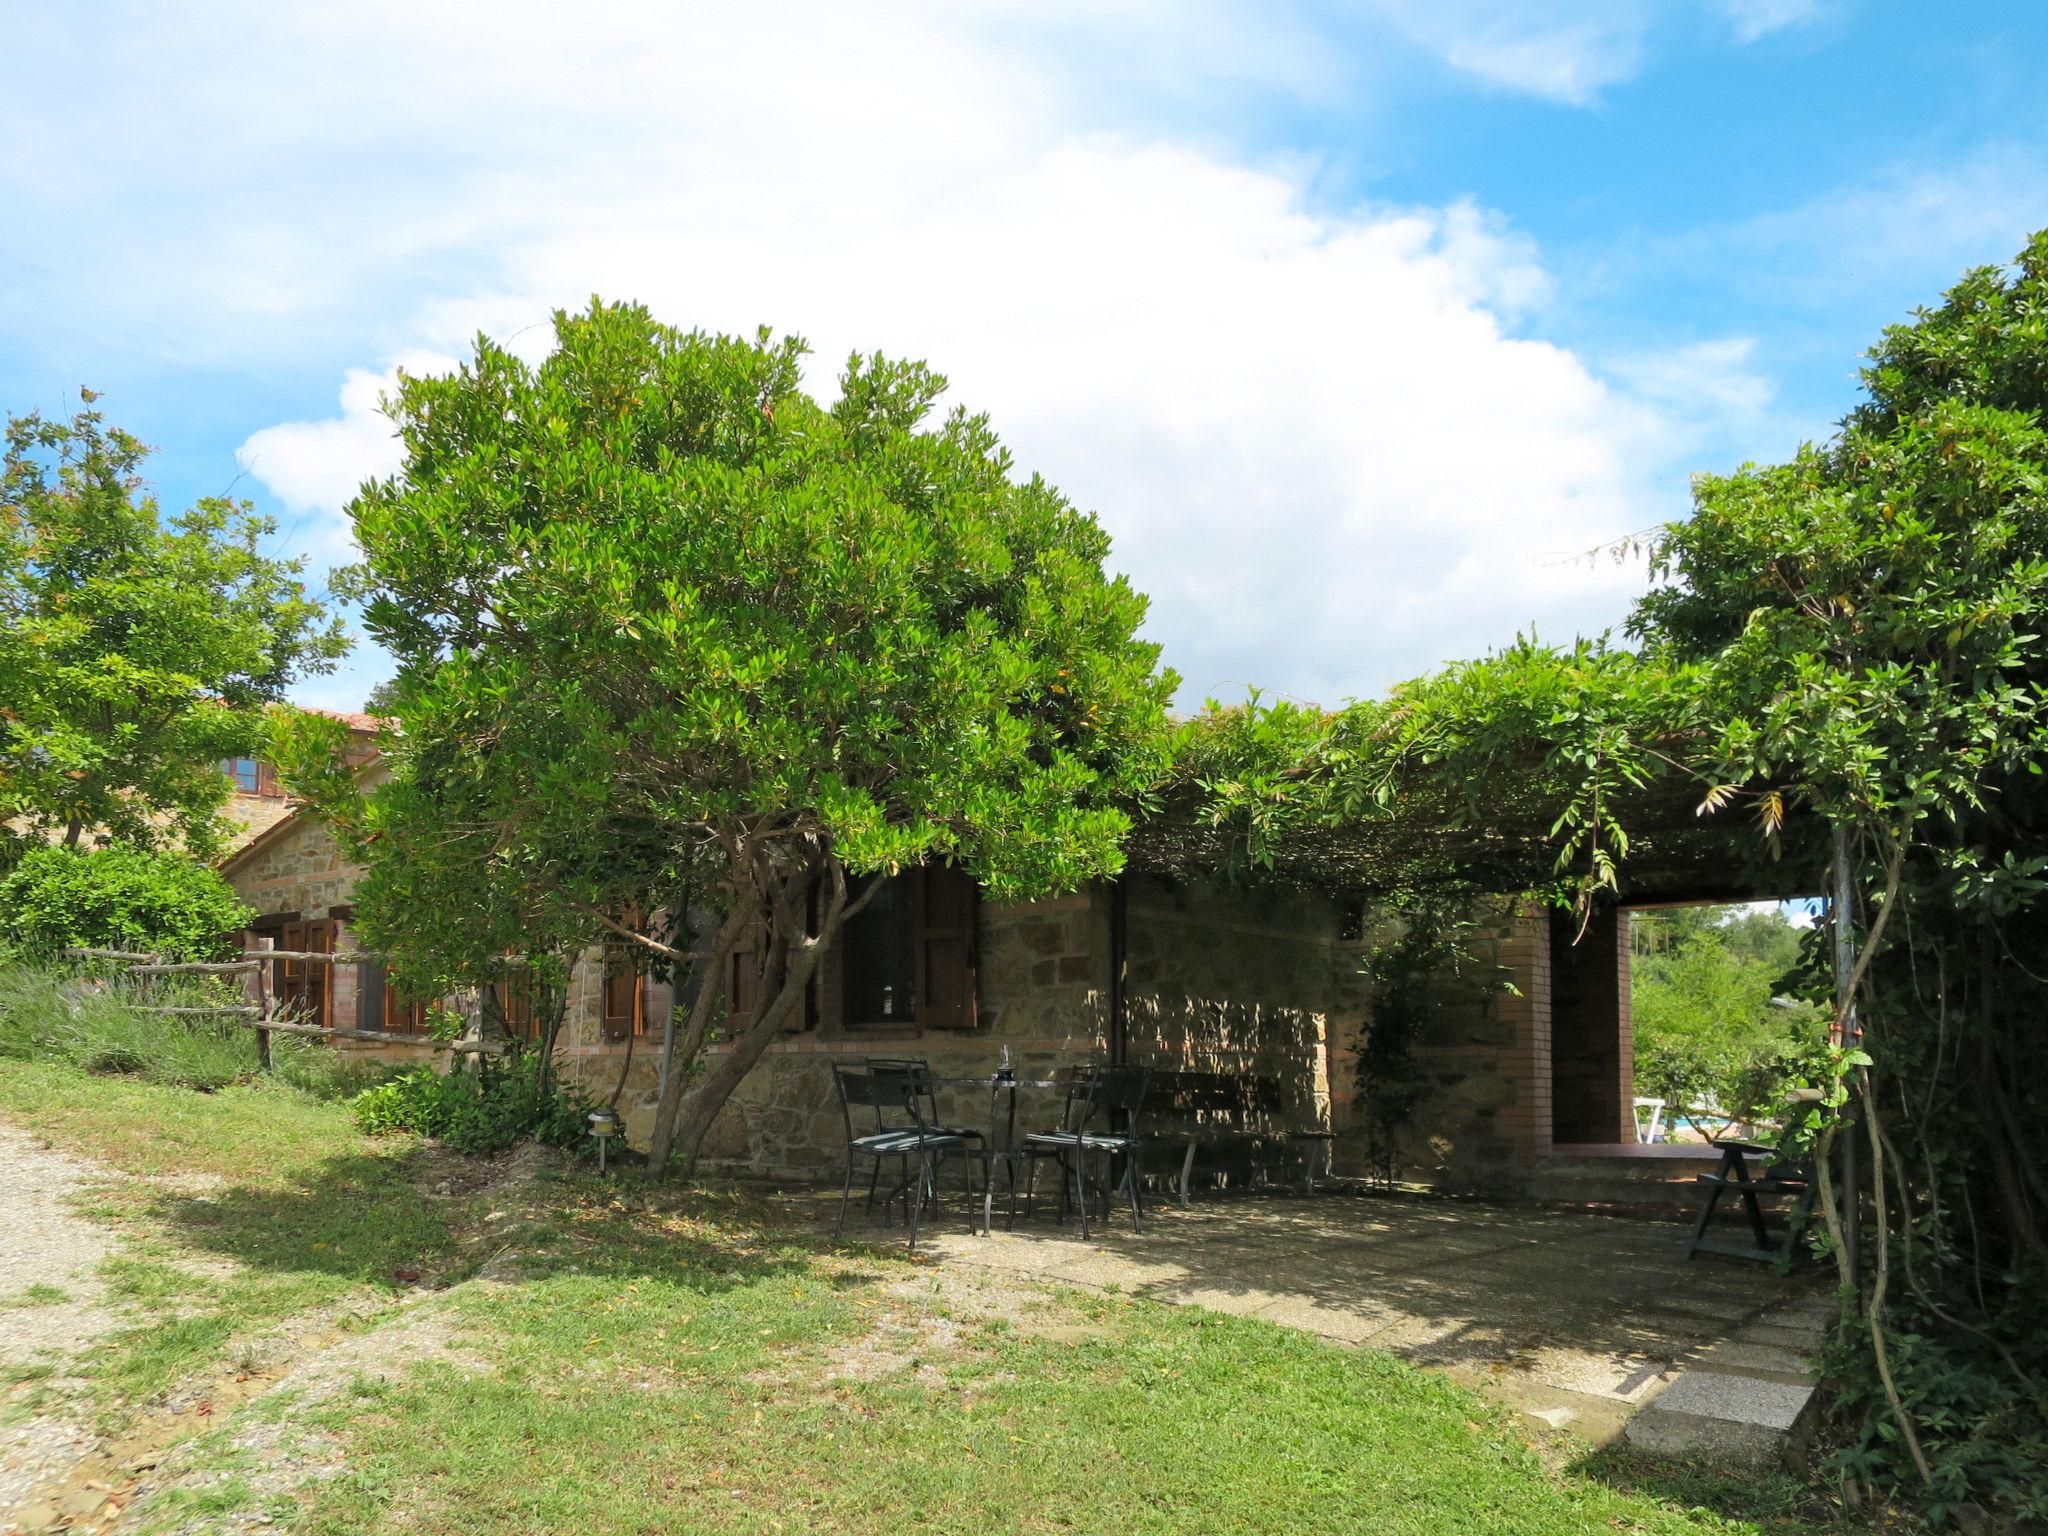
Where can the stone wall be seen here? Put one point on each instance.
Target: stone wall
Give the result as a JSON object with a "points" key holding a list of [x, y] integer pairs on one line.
{"points": [[1042, 983], [1481, 1060], [1262, 982], [1216, 980], [1258, 983]]}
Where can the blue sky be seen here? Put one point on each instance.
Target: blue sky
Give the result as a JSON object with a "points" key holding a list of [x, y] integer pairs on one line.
{"points": [[1355, 323]]}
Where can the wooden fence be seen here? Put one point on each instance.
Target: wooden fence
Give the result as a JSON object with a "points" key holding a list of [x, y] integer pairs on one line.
{"points": [[264, 1014]]}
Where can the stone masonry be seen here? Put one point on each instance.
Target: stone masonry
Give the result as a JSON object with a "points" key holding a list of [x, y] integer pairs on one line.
{"points": [[1265, 982]]}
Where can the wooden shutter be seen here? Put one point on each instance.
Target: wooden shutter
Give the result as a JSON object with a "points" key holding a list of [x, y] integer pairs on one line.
{"points": [[743, 981], [401, 1014], [947, 949], [623, 992], [319, 983]]}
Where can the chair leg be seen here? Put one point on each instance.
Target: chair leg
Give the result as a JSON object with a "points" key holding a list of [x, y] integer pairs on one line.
{"points": [[1081, 1188], [924, 1168], [1131, 1184], [1187, 1177], [845, 1198]]}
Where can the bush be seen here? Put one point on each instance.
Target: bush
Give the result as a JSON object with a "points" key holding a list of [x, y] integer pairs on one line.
{"points": [[49, 1014], [117, 898], [504, 1103]]}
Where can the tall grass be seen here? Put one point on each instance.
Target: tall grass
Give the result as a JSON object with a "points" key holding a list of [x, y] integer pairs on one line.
{"points": [[49, 1013]]}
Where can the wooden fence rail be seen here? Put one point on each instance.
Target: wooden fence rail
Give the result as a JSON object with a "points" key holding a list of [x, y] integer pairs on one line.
{"points": [[259, 1015]]}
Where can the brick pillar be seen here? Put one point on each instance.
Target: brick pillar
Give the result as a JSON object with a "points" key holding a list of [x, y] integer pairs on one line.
{"points": [[1593, 1042], [1525, 1122]]}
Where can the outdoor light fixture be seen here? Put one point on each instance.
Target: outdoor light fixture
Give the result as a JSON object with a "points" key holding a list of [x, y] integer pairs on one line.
{"points": [[604, 1125]]}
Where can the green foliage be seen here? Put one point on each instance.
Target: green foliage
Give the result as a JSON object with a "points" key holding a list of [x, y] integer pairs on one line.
{"points": [[119, 897], [502, 1104], [1847, 643], [654, 550], [1714, 1020], [54, 1014], [136, 652], [668, 629]]}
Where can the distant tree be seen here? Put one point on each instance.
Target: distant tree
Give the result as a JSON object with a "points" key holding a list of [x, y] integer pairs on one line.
{"points": [[1711, 1015], [137, 652], [672, 634]]}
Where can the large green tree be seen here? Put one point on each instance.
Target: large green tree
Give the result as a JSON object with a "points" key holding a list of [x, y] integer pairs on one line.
{"points": [[137, 651], [672, 634]]}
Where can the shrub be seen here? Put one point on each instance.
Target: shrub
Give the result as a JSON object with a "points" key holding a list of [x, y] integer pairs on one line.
{"points": [[504, 1103], [48, 1014], [119, 897]]}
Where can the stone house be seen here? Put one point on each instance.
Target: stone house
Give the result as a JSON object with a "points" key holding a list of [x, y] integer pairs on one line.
{"points": [[1259, 981]]}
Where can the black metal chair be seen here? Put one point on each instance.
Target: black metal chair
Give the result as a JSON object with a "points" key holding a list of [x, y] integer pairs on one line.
{"points": [[927, 1087], [1097, 1098], [920, 1146]]}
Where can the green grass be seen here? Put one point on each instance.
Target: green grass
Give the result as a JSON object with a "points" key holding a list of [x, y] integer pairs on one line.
{"points": [[653, 1360], [52, 1014], [277, 1186], [37, 1295]]}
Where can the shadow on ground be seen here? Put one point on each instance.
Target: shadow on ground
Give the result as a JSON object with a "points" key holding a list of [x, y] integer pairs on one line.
{"points": [[1574, 1318]]}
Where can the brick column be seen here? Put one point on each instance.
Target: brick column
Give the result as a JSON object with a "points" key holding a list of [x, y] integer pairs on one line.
{"points": [[1525, 1122]]}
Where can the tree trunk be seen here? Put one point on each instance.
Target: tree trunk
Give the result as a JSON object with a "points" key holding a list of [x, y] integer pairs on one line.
{"points": [[793, 960], [680, 1053], [703, 1106]]}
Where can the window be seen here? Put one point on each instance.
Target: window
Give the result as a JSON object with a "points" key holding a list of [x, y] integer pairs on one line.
{"points": [[247, 774], [907, 957], [515, 1005], [881, 956], [305, 987], [381, 1004], [625, 995]]}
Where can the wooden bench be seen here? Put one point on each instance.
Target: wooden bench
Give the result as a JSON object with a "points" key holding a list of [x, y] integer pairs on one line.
{"points": [[1211, 1111]]}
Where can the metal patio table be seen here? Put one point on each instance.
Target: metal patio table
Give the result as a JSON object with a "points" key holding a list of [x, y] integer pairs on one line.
{"points": [[1002, 1145]]}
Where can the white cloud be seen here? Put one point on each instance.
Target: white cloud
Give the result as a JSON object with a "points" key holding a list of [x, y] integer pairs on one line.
{"points": [[1324, 439], [1565, 50], [1752, 19], [315, 467]]}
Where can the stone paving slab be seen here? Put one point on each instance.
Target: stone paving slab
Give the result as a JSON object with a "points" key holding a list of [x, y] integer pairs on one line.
{"points": [[1581, 1321]]}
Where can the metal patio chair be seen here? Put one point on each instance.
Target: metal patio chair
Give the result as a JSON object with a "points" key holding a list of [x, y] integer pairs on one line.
{"points": [[912, 1139], [1097, 1099], [927, 1086]]}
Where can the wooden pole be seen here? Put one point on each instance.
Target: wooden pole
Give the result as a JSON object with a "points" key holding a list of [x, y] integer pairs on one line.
{"points": [[263, 1013]]}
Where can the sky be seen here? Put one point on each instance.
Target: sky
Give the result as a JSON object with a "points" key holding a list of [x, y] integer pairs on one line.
{"points": [[1363, 327]]}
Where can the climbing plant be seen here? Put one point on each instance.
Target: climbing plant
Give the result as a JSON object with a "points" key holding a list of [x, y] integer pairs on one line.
{"points": [[1842, 665]]}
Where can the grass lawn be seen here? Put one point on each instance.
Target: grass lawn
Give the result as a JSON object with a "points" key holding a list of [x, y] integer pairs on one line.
{"points": [[606, 1356], [252, 1205]]}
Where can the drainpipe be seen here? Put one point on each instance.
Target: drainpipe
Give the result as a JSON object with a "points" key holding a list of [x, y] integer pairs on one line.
{"points": [[1119, 929]]}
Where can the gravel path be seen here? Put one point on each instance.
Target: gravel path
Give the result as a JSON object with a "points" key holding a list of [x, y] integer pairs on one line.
{"points": [[44, 1245]]}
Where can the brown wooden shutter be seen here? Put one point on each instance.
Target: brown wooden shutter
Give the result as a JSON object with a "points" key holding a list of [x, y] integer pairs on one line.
{"points": [[947, 944], [319, 977], [291, 974], [743, 981], [622, 993], [402, 1015]]}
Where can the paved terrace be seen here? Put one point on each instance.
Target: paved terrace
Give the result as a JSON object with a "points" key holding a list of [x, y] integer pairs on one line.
{"points": [[1575, 1319]]}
